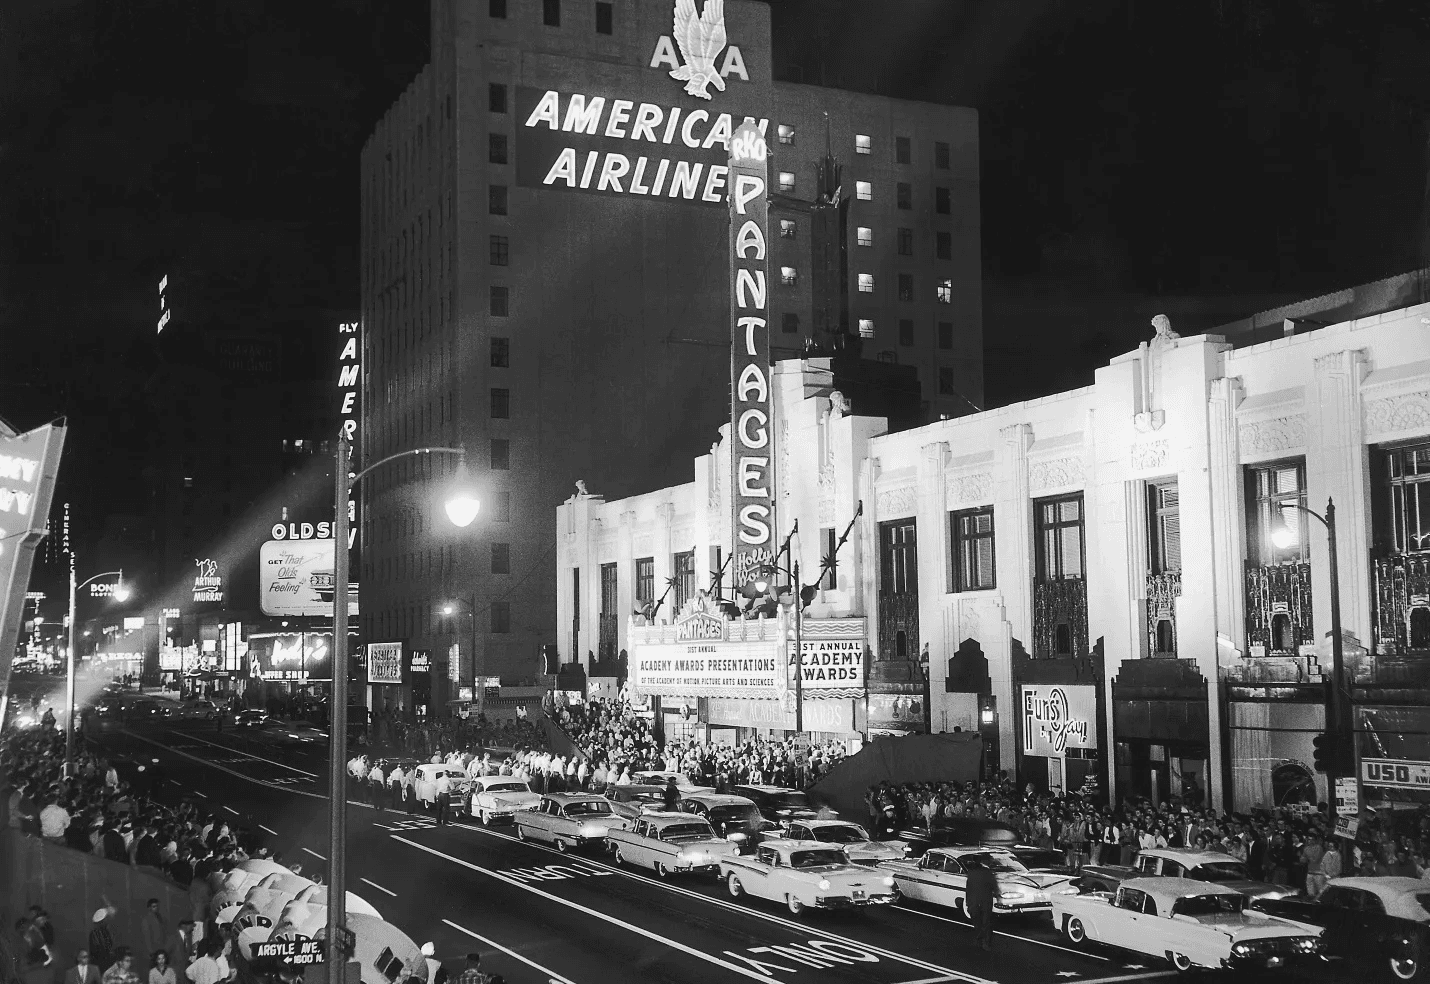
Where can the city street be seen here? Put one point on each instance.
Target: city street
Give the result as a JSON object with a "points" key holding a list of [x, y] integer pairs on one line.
{"points": [[539, 915]]}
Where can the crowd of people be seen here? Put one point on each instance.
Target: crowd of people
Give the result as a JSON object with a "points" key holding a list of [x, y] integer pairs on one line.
{"points": [[615, 739], [109, 808], [1289, 846]]}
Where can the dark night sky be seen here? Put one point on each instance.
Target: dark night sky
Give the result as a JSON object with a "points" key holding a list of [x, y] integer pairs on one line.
{"points": [[1205, 157]]}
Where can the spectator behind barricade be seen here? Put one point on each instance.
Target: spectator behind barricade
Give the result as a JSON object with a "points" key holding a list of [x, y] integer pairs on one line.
{"points": [[83, 971], [122, 970]]}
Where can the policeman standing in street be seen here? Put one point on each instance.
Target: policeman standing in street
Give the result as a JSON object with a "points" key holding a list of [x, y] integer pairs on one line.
{"points": [[443, 798], [981, 889]]}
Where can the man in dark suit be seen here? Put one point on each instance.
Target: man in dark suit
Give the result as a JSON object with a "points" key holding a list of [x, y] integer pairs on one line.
{"points": [[83, 972], [981, 889], [181, 945]]}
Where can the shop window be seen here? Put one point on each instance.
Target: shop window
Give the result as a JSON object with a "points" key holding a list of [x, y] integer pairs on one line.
{"points": [[973, 555], [903, 150], [904, 195], [942, 201], [940, 155], [645, 581], [683, 566], [496, 97], [1060, 538], [1276, 493], [605, 18], [864, 236], [906, 242]]}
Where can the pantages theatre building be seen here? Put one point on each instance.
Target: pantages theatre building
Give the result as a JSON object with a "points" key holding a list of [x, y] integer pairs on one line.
{"points": [[1118, 584]]}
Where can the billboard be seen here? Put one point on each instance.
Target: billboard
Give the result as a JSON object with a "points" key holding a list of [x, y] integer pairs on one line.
{"points": [[1056, 718], [295, 577], [29, 466], [384, 662], [294, 657], [751, 421], [832, 660]]}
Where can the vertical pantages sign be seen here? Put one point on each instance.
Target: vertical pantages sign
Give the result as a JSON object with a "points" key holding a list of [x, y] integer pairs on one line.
{"points": [[29, 466], [752, 456], [350, 405]]}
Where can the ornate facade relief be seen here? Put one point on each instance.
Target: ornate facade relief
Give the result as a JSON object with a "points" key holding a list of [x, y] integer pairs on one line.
{"points": [[1269, 436], [1055, 474], [1150, 455], [896, 502], [1403, 412], [972, 489]]}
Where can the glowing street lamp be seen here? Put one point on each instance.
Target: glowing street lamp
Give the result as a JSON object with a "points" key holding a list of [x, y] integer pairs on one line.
{"points": [[462, 507]]}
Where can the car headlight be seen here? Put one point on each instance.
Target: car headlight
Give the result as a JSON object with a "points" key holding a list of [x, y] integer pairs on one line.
{"points": [[1068, 890], [888, 881], [735, 837], [1308, 944], [1241, 949], [1011, 893], [824, 884]]}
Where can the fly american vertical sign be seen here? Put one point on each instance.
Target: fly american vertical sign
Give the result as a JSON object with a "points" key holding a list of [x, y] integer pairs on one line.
{"points": [[29, 468], [752, 458]]}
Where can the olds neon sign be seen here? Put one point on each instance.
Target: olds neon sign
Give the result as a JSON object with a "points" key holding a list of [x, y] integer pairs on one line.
{"points": [[752, 472]]}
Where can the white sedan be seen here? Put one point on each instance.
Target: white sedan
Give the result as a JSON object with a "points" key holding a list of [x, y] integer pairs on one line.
{"points": [[805, 874], [668, 843], [501, 798], [1189, 923], [853, 839], [941, 877], [424, 787]]}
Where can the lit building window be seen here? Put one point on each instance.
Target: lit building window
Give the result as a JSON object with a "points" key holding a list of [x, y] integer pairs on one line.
{"points": [[786, 134], [786, 228], [862, 144], [864, 191], [864, 236], [866, 327], [786, 181], [866, 283], [945, 292]]}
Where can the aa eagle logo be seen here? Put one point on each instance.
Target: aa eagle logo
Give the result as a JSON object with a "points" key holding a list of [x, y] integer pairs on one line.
{"points": [[701, 38]]}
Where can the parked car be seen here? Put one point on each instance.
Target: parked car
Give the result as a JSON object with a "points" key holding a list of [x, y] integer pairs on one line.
{"points": [[251, 718], [147, 709], [1045, 859], [735, 818], [853, 839], [500, 798], [668, 843], [778, 803], [569, 820], [1217, 867], [631, 801], [941, 877], [960, 832], [1191, 924], [659, 777], [1380, 923], [200, 709], [805, 874], [424, 787], [1104, 877]]}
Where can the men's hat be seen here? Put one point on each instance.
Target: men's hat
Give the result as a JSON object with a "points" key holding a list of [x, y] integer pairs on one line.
{"points": [[99, 915]]}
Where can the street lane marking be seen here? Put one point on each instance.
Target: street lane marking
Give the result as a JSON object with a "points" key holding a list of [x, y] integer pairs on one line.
{"points": [[999, 932], [315, 854], [233, 772], [555, 977], [231, 810], [630, 927], [201, 793], [930, 980], [745, 910], [250, 755], [1130, 977], [379, 887], [268, 830]]}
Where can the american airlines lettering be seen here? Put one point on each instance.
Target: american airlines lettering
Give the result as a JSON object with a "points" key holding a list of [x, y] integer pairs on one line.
{"points": [[580, 142], [752, 481]]}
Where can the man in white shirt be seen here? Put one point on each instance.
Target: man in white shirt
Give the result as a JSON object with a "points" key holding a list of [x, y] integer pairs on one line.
{"points": [[53, 821]]}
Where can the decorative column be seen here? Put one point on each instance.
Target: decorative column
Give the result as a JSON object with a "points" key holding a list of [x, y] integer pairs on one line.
{"points": [[1013, 561], [625, 578], [933, 546], [1337, 467], [1228, 522]]}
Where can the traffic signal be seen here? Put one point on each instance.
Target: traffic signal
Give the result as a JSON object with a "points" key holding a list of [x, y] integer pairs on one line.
{"points": [[1332, 754]]}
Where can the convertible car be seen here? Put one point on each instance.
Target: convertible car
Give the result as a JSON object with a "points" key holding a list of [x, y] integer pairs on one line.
{"points": [[805, 874], [1192, 924], [668, 843]]}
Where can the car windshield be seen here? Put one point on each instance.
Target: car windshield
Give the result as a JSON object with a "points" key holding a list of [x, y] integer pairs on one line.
{"points": [[995, 862], [842, 834], [816, 859], [587, 808], [1219, 871], [734, 814], [687, 832], [507, 787], [1209, 905]]}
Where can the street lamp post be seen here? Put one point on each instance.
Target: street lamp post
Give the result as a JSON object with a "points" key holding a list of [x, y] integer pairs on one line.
{"points": [[461, 510], [120, 593], [448, 609], [1338, 722]]}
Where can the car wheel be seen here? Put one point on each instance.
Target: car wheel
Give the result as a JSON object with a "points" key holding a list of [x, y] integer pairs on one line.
{"points": [[1180, 962], [1075, 930], [733, 884], [795, 905], [561, 845], [485, 817], [520, 832], [897, 893], [661, 871], [1405, 968], [620, 858]]}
